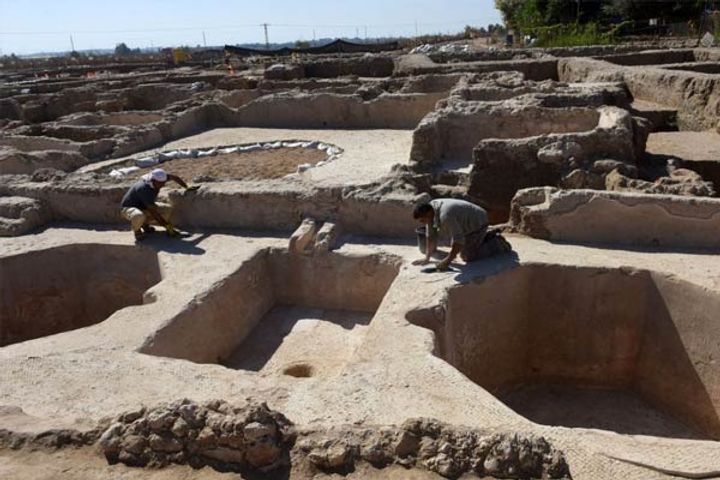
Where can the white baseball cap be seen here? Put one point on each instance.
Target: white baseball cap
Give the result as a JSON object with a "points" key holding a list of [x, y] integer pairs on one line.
{"points": [[159, 175]]}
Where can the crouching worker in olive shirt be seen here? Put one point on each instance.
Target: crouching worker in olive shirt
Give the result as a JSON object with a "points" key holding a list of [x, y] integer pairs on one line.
{"points": [[139, 205], [464, 222]]}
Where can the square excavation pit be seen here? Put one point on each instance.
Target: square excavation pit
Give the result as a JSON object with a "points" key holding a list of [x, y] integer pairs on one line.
{"points": [[68, 287], [627, 351], [281, 314]]}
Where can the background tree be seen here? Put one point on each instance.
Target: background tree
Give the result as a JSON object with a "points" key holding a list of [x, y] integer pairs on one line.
{"points": [[121, 49], [519, 13]]}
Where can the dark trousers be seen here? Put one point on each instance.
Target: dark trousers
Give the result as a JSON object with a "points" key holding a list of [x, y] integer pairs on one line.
{"points": [[472, 248]]}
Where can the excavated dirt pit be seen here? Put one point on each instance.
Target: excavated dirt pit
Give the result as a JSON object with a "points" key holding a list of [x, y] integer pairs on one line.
{"points": [[282, 314], [69, 287], [254, 165], [585, 347]]}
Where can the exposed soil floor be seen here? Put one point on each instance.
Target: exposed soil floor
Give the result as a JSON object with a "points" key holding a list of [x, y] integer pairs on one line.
{"points": [[89, 464], [367, 154], [302, 342], [689, 146], [613, 410], [256, 165], [700, 151]]}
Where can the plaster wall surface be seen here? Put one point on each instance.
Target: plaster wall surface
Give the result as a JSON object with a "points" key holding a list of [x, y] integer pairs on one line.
{"points": [[63, 288], [590, 328], [215, 326]]}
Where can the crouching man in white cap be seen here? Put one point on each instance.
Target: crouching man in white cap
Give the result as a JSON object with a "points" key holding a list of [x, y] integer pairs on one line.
{"points": [[139, 205]]}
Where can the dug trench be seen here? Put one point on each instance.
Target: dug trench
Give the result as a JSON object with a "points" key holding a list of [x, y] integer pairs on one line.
{"points": [[281, 314], [615, 349], [69, 287]]}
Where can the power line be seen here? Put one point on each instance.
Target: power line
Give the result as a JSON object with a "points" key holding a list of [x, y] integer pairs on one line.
{"points": [[247, 25]]}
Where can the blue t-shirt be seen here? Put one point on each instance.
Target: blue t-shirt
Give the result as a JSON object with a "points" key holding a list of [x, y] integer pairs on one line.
{"points": [[141, 195]]}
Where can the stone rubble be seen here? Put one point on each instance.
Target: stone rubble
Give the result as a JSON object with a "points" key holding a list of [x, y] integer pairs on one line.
{"points": [[256, 438]]}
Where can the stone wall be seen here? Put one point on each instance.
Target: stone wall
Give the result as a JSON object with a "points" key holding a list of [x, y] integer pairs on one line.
{"points": [[278, 206], [502, 167], [619, 218], [696, 96]]}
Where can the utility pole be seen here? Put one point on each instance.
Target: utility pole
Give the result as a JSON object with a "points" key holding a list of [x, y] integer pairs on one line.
{"points": [[314, 38], [267, 42], [416, 28], [72, 44], [204, 40]]}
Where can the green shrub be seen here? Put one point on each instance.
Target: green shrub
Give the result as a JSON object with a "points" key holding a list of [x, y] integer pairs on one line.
{"points": [[572, 35]]}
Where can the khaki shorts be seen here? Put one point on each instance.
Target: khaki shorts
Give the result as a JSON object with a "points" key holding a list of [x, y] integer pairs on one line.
{"points": [[138, 217]]}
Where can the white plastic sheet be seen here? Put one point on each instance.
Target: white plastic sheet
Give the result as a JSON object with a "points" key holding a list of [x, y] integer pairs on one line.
{"points": [[333, 153]]}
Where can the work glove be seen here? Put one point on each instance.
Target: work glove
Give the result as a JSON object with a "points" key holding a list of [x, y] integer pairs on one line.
{"points": [[191, 188], [171, 232]]}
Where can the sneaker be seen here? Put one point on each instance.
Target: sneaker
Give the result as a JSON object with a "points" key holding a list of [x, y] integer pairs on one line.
{"points": [[148, 228], [139, 236]]}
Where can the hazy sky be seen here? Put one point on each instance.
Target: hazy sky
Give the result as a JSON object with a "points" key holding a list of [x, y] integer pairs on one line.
{"points": [[28, 26]]}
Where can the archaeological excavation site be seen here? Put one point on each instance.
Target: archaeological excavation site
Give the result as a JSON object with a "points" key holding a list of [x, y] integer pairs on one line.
{"points": [[286, 330]]}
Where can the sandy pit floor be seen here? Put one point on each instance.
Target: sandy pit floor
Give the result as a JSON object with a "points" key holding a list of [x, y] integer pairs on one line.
{"points": [[256, 165], [302, 342], [619, 411], [690, 146]]}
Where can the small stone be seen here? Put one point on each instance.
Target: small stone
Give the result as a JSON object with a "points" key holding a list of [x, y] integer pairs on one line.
{"points": [[326, 238], [110, 439], [138, 427], [303, 237], [134, 444], [180, 428], [575, 179], [160, 420], [206, 438], [428, 448], [375, 454], [605, 166], [131, 416], [166, 444], [407, 444], [338, 455], [215, 420], [255, 431]]}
